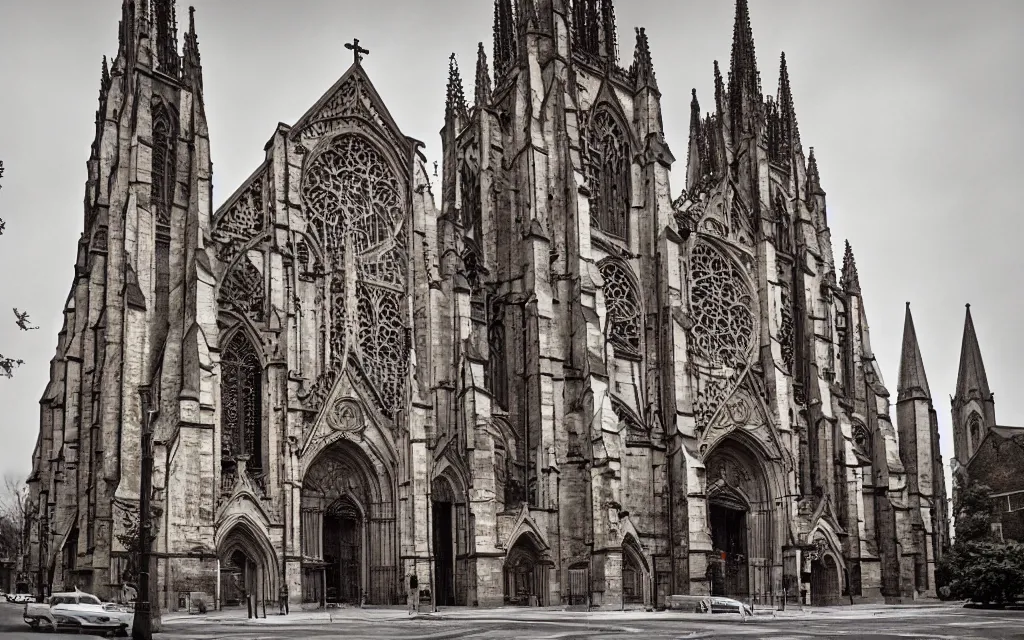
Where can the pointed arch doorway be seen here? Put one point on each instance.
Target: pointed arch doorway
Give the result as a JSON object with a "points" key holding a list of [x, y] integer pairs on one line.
{"points": [[741, 522], [349, 534]]}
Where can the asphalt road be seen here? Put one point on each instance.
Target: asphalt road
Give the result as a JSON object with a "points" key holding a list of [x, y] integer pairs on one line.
{"points": [[945, 624]]}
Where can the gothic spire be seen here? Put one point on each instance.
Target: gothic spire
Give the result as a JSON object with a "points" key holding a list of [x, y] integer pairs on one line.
{"points": [[694, 164], [719, 90], [851, 280], [104, 76], [813, 179], [971, 378], [456, 101], [643, 67], [785, 99], [505, 38], [192, 68], [913, 382], [482, 94], [166, 44], [744, 80]]}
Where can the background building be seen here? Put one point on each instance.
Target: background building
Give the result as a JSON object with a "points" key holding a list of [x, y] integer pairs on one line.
{"points": [[562, 386]]}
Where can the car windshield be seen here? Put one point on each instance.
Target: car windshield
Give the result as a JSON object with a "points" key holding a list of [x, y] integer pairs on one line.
{"points": [[89, 600]]}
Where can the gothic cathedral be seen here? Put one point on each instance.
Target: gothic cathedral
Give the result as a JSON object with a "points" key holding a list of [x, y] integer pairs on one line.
{"points": [[541, 380]]}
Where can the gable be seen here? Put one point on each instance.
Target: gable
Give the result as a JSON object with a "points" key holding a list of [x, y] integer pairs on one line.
{"points": [[353, 96]]}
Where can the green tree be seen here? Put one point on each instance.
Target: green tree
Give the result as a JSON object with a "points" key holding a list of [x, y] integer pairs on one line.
{"points": [[980, 567]]}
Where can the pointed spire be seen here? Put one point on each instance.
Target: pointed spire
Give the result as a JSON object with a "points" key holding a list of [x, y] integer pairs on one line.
{"points": [[505, 38], [744, 80], [456, 101], [104, 76], [971, 379], [192, 68], [913, 383], [166, 22], [813, 179], [785, 100], [694, 163], [719, 90], [482, 94], [643, 68], [851, 280]]}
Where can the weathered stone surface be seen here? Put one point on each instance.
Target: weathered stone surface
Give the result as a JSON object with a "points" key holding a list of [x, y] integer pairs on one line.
{"points": [[547, 383]]}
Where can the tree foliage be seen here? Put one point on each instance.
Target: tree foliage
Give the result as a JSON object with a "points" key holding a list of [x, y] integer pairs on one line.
{"points": [[980, 567], [13, 501]]}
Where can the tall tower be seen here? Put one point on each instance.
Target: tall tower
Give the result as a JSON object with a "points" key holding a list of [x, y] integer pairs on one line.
{"points": [[974, 406], [919, 450], [130, 320]]}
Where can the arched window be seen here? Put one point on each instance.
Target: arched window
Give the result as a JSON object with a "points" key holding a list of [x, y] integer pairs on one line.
{"points": [[164, 164], [609, 164], [975, 431], [497, 369], [622, 300], [241, 398]]}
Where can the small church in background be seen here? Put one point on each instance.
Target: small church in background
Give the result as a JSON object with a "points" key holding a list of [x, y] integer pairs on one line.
{"points": [[985, 451]]}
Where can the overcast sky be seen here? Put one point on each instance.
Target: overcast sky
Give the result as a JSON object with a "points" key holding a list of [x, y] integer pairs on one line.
{"points": [[913, 108]]}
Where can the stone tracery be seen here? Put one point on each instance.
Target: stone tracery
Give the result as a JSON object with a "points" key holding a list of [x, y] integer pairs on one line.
{"points": [[241, 403], [723, 328], [607, 156], [355, 205], [622, 300]]}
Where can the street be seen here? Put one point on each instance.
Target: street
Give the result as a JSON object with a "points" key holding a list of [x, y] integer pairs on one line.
{"points": [[933, 623]]}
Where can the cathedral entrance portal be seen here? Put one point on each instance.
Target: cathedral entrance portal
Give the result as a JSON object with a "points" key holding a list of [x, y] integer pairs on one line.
{"points": [[248, 565], [349, 537], [825, 586], [525, 574], [741, 521], [443, 542]]}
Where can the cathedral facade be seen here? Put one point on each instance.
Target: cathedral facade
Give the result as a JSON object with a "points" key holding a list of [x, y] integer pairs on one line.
{"points": [[539, 379]]}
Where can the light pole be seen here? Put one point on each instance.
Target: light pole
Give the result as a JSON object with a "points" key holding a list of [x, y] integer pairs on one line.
{"points": [[142, 625]]}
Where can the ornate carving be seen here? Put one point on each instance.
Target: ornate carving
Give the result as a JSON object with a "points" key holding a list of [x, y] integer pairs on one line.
{"points": [[346, 416], [786, 333], [622, 300], [722, 335], [608, 165], [242, 289], [861, 439], [241, 222], [352, 99], [241, 391], [355, 205]]}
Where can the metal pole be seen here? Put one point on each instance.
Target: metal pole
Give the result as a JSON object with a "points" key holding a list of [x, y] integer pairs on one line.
{"points": [[142, 625]]}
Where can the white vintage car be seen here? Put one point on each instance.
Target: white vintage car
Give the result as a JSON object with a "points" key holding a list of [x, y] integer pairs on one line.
{"points": [[76, 610]]}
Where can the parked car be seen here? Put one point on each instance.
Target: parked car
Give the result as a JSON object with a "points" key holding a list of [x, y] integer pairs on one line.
{"points": [[19, 598], [717, 604], [77, 610]]}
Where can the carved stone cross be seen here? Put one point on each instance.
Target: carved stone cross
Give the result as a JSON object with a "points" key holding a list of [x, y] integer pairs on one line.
{"points": [[356, 50]]}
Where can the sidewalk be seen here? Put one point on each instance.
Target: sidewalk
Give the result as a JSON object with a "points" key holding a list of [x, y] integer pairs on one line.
{"points": [[542, 614]]}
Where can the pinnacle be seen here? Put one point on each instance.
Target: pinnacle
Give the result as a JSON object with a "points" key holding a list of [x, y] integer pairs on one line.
{"points": [[643, 67], [913, 382], [743, 76], [851, 279], [482, 93], [456, 101]]}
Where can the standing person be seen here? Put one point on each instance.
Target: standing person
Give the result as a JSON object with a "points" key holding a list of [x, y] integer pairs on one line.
{"points": [[414, 594]]}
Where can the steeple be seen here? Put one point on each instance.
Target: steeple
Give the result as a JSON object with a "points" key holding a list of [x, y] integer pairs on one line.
{"points": [[505, 38], [166, 43], [643, 68], [851, 280], [192, 68], [482, 94], [456, 101], [913, 382], [783, 134], [971, 381], [744, 79]]}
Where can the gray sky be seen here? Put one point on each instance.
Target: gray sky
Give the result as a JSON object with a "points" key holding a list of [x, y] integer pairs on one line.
{"points": [[913, 107]]}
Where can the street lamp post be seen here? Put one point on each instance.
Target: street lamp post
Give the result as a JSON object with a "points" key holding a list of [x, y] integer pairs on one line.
{"points": [[142, 625]]}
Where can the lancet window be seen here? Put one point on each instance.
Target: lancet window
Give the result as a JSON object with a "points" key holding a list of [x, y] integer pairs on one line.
{"points": [[241, 396], [622, 301], [497, 368], [164, 164], [469, 181], [609, 167]]}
